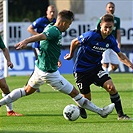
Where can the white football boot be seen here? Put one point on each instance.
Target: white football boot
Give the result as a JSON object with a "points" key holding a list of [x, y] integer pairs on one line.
{"points": [[107, 110]]}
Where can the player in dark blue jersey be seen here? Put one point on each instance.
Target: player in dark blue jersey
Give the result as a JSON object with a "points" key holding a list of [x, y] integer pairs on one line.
{"points": [[110, 61], [88, 68], [38, 26]]}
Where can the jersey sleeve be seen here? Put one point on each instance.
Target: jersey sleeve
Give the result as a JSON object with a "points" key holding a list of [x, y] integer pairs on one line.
{"points": [[51, 33], [36, 23], [84, 37], [2, 45]]}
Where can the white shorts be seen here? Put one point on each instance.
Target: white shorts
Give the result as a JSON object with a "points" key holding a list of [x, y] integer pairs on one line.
{"points": [[57, 81], [109, 56], [1, 74]]}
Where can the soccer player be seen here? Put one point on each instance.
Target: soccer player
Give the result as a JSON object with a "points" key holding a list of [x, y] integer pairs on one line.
{"points": [[46, 68], [88, 68], [110, 60], [3, 85], [38, 26]]}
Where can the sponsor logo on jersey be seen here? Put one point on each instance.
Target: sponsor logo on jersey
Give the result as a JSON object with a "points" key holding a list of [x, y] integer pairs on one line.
{"points": [[97, 48]]}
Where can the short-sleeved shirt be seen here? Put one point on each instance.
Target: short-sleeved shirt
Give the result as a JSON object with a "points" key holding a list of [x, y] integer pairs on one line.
{"points": [[39, 24], [116, 25], [2, 45], [92, 45], [50, 49]]}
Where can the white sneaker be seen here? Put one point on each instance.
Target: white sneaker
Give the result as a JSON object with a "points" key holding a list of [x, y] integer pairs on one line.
{"points": [[107, 110], [124, 117]]}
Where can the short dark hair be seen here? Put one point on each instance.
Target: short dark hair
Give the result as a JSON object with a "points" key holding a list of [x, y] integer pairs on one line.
{"points": [[66, 14], [110, 3], [107, 18]]}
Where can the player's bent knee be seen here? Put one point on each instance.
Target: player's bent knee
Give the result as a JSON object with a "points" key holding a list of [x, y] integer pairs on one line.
{"points": [[111, 89]]}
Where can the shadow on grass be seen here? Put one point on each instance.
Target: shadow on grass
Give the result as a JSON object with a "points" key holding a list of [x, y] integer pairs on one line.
{"points": [[43, 115]]}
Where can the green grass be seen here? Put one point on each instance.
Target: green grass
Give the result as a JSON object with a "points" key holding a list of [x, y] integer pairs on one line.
{"points": [[43, 111]]}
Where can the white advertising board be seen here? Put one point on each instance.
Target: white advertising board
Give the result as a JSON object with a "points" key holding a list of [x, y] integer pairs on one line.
{"points": [[78, 27], [18, 32]]}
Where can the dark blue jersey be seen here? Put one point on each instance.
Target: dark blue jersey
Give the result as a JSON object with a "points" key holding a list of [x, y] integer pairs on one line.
{"points": [[39, 24], [92, 46]]}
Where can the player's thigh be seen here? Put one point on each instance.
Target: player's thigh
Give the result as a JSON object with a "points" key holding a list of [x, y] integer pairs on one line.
{"points": [[101, 77], [36, 79], [83, 81], [58, 82]]}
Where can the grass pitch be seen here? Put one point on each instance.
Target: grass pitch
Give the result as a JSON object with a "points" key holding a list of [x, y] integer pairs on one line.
{"points": [[43, 111]]}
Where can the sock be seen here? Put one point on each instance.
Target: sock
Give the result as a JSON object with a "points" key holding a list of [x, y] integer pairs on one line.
{"points": [[13, 96], [87, 104], [110, 69], [8, 106], [115, 98], [105, 69]]}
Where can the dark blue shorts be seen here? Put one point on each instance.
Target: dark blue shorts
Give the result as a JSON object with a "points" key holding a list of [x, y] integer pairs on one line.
{"points": [[97, 76]]}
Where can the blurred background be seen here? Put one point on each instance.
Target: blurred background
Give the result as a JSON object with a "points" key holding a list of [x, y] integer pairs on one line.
{"points": [[21, 13]]}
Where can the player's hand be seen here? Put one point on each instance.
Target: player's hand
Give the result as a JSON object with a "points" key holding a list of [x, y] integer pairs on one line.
{"points": [[59, 63], [67, 57], [21, 45], [9, 64]]}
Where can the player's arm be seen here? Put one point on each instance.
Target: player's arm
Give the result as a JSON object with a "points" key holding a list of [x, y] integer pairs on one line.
{"points": [[32, 30], [74, 44], [59, 63], [125, 60], [7, 56], [34, 38]]}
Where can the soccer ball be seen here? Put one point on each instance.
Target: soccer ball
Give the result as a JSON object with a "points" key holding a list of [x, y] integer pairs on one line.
{"points": [[71, 112]]}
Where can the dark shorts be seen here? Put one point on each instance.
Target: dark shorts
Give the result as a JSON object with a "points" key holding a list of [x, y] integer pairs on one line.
{"points": [[97, 76]]}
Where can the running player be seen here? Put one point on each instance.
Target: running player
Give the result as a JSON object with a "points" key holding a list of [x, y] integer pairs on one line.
{"points": [[88, 68], [38, 26]]}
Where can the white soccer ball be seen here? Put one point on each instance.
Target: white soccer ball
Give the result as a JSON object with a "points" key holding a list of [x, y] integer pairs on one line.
{"points": [[71, 112]]}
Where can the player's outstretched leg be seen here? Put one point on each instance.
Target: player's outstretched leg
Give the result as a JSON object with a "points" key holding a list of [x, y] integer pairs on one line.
{"points": [[13, 96], [9, 108], [107, 110], [104, 113], [85, 103]]}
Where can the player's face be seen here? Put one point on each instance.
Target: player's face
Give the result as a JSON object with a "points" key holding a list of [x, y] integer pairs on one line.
{"points": [[106, 28], [51, 13], [110, 8], [66, 25]]}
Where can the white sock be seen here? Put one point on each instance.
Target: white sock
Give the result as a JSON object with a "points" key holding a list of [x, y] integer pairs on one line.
{"points": [[110, 69], [87, 104], [13, 96], [105, 69], [8, 106]]}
